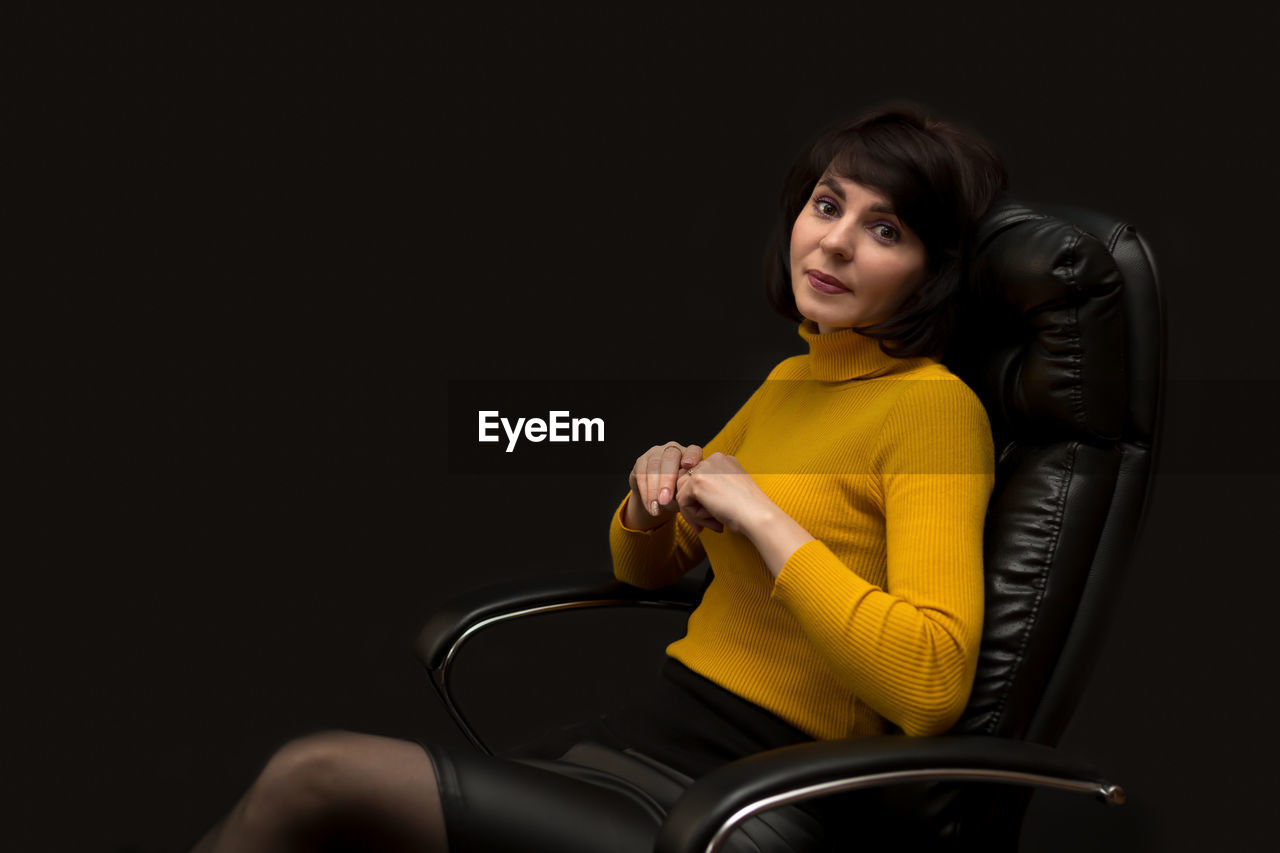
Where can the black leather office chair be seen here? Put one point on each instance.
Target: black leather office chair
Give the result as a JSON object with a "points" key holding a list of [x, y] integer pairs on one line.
{"points": [[1065, 346]]}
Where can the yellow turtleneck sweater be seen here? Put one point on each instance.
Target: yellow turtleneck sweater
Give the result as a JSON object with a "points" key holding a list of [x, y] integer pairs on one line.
{"points": [[888, 464]]}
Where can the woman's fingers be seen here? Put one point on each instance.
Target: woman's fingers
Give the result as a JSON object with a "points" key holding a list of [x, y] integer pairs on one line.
{"points": [[692, 456], [700, 518], [655, 476], [655, 479], [672, 456], [652, 471], [694, 512], [685, 502]]}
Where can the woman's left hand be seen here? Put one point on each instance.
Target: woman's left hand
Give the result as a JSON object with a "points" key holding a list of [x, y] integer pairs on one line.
{"points": [[720, 487]]}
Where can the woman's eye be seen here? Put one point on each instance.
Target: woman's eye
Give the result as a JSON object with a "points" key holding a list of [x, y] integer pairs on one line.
{"points": [[886, 232], [826, 207]]}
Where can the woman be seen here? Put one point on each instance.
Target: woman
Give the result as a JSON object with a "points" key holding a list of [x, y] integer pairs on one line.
{"points": [[841, 510]]}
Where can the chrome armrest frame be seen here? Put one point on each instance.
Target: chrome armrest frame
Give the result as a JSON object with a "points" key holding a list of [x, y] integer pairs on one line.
{"points": [[441, 676], [457, 621], [719, 802], [1106, 792]]}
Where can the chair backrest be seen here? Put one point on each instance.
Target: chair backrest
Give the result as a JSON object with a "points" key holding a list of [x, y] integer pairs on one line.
{"points": [[1064, 344]]}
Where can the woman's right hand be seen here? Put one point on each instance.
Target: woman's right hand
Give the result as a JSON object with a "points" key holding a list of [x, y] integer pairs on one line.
{"points": [[653, 483]]}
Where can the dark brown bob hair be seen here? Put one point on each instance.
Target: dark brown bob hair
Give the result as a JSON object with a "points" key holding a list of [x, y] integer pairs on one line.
{"points": [[940, 179]]}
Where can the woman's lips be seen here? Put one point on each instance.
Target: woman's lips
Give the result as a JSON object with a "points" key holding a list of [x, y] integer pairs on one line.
{"points": [[824, 283]]}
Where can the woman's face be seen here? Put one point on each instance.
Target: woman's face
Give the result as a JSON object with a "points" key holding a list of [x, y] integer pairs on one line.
{"points": [[853, 261]]}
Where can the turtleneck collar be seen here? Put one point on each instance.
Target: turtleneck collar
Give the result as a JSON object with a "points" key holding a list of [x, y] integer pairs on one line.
{"points": [[844, 354]]}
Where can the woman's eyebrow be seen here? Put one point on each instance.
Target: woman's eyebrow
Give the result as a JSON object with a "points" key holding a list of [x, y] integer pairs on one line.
{"points": [[829, 183]]}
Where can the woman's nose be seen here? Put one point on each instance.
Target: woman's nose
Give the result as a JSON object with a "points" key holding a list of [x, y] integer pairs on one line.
{"points": [[838, 241]]}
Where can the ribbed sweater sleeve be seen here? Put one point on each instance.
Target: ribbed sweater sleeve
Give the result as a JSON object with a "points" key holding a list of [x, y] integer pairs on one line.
{"points": [[659, 557], [909, 649]]}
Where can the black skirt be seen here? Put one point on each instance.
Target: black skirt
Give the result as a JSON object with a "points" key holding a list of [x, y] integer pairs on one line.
{"points": [[607, 784]]}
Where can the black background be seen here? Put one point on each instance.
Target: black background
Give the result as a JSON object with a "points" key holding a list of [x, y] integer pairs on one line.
{"points": [[253, 251]]}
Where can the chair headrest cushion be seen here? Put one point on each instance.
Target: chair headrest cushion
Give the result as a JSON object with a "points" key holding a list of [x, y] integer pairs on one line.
{"points": [[1050, 306]]}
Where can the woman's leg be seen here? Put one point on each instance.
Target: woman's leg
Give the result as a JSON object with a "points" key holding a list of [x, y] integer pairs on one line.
{"points": [[337, 791], [345, 791]]}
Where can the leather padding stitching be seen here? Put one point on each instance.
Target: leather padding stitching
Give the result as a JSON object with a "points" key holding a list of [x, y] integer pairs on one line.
{"points": [[1051, 547]]}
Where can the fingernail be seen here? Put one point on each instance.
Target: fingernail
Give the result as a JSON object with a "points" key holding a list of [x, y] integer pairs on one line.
{"points": [[653, 508], [664, 496]]}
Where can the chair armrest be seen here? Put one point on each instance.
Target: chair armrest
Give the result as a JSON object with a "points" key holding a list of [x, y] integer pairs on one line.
{"points": [[713, 806], [454, 622], [457, 620]]}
